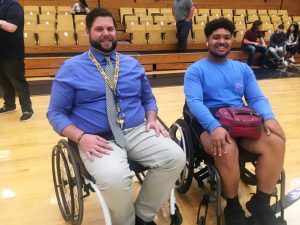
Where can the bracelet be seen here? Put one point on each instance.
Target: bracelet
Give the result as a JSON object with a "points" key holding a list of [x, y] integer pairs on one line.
{"points": [[79, 138]]}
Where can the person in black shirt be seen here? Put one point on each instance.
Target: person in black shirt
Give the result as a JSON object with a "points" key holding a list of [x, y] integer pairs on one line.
{"points": [[277, 44], [12, 69]]}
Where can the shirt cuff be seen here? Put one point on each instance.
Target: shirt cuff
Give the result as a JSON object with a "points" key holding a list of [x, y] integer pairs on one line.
{"points": [[151, 107], [268, 117], [213, 126]]}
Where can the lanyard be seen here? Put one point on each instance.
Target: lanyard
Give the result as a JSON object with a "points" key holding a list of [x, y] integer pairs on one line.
{"points": [[111, 85]]}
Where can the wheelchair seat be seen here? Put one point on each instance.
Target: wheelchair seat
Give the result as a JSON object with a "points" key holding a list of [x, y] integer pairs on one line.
{"points": [[200, 166], [73, 183]]}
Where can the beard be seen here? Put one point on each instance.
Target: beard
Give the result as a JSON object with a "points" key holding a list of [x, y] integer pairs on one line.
{"points": [[97, 45]]}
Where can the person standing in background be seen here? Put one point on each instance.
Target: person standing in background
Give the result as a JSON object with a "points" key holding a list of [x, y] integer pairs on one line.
{"points": [[12, 69], [80, 8], [183, 11]]}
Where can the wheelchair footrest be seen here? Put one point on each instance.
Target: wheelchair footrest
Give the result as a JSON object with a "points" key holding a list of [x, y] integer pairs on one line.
{"points": [[288, 200]]}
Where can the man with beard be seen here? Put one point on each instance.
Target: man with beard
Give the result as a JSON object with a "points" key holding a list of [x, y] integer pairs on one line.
{"points": [[83, 92], [215, 82]]}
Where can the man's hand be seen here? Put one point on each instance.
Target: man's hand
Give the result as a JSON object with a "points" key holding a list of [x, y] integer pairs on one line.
{"points": [[272, 126], [94, 145], [157, 127], [219, 137]]}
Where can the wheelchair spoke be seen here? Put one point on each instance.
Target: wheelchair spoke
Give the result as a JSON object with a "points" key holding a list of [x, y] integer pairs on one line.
{"points": [[67, 183]]}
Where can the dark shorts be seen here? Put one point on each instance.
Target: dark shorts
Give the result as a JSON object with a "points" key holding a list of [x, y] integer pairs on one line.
{"points": [[197, 127]]}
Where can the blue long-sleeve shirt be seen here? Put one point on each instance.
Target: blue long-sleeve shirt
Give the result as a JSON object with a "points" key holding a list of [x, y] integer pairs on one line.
{"points": [[208, 85], [78, 94]]}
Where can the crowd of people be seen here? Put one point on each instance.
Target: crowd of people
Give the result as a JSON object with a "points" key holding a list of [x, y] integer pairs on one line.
{"points": [[281, 44]]}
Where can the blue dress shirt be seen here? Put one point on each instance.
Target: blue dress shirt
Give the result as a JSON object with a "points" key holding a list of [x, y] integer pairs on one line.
{"points": [[78, 94]]}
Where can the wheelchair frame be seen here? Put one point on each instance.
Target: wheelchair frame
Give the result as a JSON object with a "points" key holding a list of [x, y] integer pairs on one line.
{"points": [[71, 178], [200, 166]]}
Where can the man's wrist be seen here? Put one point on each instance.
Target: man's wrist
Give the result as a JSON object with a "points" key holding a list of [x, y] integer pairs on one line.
{"points": [[79, 138]]}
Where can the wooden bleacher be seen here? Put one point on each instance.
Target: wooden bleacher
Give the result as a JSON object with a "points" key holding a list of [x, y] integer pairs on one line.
{"points": [[154, 64], [44, 61]]}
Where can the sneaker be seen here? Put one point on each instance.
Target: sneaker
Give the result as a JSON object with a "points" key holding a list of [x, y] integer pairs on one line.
{"points": [[262, 211], [235, 216], [5, 109], [26, 116], [292, 59], [285, 63]]}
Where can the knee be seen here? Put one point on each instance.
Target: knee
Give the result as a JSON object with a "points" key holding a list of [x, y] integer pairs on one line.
{"points": [[279, 145], [251, 50], [179, 157], [272, 50], [115, 179], [275, 146], [230, 159]]}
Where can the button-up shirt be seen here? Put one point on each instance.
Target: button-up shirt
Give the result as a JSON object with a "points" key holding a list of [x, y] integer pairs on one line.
{"points": [[78, 94]]}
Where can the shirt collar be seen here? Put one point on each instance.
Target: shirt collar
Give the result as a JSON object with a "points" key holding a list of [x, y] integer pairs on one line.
{"points": [[100, 57]]}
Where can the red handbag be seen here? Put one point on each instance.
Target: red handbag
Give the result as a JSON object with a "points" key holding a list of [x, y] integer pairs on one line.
{"points": [[240, 122]]}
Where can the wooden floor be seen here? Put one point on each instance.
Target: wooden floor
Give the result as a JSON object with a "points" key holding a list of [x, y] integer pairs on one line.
{"points": [[26, 188]]}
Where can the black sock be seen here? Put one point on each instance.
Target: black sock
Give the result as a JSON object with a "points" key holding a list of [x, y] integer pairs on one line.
{"points": [[233, 202], [262, 196]]}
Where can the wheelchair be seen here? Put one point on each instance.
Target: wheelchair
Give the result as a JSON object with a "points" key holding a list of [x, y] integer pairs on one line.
{"points": [[200, 166], [73, 183]]}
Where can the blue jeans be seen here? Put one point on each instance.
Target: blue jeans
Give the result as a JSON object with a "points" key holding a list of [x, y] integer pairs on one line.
{"points": [[183, 29], [251, 49]]}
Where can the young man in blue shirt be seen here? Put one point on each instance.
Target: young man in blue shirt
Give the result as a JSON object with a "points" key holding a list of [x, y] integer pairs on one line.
{"points": [[217, 81], [78, 110]]}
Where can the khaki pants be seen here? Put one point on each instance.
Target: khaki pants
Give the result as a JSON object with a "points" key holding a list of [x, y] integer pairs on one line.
{"points": [[114, 178]]}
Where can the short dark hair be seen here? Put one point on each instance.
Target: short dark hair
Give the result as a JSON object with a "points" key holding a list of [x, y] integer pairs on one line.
{"points": [[83, 2], [94, 13], [281, 26], [256, 24], [215, 24]]}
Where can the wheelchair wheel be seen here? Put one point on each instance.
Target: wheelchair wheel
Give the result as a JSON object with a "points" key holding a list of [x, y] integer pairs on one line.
{"points": [[180, 133], [67, 183], [140, 176], [247, 176]]}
